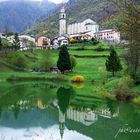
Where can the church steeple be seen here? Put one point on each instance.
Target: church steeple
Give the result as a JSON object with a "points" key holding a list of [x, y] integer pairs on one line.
{"points": [[62, 21], [61, 123]]}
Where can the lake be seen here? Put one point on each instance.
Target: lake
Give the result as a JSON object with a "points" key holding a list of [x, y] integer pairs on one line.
{"points": [[61, 111]]}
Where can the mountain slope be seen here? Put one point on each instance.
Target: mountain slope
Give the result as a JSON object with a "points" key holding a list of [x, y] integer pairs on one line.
{"points": [[19, 15], [99, 10]]}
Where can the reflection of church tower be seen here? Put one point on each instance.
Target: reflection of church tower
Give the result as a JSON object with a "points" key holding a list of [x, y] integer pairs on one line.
{"points": [[62, 21], [61, 123]]}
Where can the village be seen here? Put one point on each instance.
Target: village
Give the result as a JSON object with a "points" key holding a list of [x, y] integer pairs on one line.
{"points": [[74, 32], [69, 70]]}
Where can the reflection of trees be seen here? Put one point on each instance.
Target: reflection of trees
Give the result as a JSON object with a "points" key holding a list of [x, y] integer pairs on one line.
{"points": [[113, 106], [26, 96], [128, 114], [16, 110], [64, 95]]}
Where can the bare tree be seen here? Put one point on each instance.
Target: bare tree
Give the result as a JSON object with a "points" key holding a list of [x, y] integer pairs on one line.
{"points": [[130, 30]]}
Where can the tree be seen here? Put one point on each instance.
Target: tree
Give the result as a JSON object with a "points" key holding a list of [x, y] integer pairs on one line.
{"points": [[63, 62], [130, 31], [18, 60], [31, 45], [94, 41], [73, 62], [16, 42], [113, 62], [46, 62]]}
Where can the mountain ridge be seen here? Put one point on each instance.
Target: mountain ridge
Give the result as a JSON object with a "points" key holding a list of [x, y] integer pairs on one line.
{"points": [[17, 16], [100, 11]]}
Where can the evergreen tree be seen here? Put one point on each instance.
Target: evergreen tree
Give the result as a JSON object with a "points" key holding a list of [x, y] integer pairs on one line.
{"points": [[63, 62], [16, 42], [113, 62]]}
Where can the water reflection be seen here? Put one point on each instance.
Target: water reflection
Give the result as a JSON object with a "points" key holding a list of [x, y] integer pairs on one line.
{"points": [[53, 112]]}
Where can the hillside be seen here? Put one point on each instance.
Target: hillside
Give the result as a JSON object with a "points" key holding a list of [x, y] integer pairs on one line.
{"points": [[17, 15], [101, 11]]}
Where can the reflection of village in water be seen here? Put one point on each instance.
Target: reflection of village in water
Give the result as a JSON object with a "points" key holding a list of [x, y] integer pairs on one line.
{"points": [[65, 106]]}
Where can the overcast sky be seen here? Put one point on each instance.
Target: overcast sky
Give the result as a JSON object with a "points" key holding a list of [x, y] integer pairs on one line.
{"points": [[55, 1]]}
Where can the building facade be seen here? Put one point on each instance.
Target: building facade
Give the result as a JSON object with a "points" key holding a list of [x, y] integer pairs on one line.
{"points": [[42, 41], [87, 26], [110, 36]]}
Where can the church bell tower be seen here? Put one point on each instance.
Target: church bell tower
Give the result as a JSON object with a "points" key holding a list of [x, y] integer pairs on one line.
{"points": [[62, 21]]}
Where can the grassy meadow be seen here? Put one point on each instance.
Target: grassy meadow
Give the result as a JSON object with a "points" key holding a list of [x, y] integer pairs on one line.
{"points": [[90, 65]]}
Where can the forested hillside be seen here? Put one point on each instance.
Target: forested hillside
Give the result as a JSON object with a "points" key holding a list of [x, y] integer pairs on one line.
{"points": [[102, 11], [17, 16]]}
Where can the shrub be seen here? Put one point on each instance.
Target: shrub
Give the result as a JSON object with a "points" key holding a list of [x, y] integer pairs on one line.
{"points": [[77, 79], [17, 59], [102, 71], [72, 40], [136, 100], [73, 62], [94, 41], [45, 64], [123, 90], [100, 48]]}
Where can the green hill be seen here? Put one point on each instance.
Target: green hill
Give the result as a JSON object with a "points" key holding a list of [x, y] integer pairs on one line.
{"points": [[101, 11]]}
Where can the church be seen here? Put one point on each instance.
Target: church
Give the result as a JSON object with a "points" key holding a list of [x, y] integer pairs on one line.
{"points": [[86, 29], [87, 26]]}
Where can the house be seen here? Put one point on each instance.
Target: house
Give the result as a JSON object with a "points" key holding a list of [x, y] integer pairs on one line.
{"points": [[109, 36], [23, 41], [63, 40], [43, 41], [26, 37]]}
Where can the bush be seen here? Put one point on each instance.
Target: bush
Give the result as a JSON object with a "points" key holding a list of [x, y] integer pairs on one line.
{"points": [[44, 63], [94, 41], [77, 79], [123, 91], [100, 48], [103, 73], [72, 40], [17, 59], [73, 62]]}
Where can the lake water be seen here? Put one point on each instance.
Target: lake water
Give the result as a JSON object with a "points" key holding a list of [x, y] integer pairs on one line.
{"points": [[56, 111]]}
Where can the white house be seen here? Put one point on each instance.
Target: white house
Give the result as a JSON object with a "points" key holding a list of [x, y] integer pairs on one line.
{"points": [[27, 37], [110, 36]]}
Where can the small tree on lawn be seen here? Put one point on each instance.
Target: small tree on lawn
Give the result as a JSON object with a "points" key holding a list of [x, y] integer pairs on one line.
{"points": [[63, 62], [113, 62]]}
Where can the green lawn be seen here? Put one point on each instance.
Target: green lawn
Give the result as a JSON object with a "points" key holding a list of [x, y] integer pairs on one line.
{"points": [[87, 67]]}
